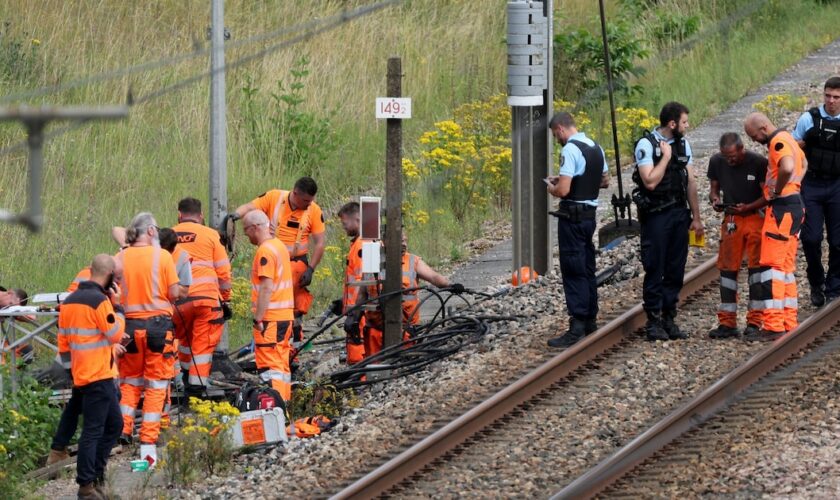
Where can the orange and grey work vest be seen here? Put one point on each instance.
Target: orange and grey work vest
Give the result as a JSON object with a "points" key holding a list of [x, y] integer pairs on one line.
{"points": [[410, 300]]}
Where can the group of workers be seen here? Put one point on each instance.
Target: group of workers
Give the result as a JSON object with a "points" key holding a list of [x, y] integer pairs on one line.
{"points": [[162, 300], [767, 206]]}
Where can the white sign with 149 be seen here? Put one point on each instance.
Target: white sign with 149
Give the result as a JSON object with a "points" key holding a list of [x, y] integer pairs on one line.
{"points": [[393, 107]]}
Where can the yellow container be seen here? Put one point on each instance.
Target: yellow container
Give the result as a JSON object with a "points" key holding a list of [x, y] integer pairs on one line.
{"points": [[694, 241]]}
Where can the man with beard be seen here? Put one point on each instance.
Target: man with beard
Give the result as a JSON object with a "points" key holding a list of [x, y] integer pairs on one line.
{"points": [[666, 197], [782, 221]]}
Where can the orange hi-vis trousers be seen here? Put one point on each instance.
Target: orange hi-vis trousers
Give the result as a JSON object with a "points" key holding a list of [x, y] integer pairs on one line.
{"points": [[272, 351], [198, 329], [739, 235], [146, 370], [779, 241], [356, 349]]}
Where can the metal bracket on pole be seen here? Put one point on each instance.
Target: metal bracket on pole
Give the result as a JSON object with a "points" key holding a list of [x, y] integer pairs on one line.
{"points": [[35, 120]]}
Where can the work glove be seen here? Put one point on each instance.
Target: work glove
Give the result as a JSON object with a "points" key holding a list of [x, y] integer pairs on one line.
{"points": [[351, 327], [233, 217], [336, 307], [457, 288], [306, 277], [227, 312]]}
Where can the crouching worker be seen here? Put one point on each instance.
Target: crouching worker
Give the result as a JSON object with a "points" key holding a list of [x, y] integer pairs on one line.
{"points": [[413, 270], [88, 326], [272, 303]]}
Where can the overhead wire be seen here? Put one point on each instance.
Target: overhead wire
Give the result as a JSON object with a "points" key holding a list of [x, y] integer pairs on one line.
{"points": [[179, 58], [336, 21]]}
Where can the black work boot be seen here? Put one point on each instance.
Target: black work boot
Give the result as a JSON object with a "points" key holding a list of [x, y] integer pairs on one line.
{"points": [[671, 328], [817, 296], [577, 330], [653, 328], [724, 332], [591, 326]]}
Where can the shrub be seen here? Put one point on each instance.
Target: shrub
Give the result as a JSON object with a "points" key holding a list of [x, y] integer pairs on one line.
{"points": [[777, 106], [27, 424], [321, 398], [204, 445], [303, 139]]}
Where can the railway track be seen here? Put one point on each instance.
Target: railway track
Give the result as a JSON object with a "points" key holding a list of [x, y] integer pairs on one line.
{"points": [[587, 368], [792, 362]]}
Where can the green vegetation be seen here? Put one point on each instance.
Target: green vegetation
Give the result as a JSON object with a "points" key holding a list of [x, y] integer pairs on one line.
{"points": [[27, 424], [308, 109]]}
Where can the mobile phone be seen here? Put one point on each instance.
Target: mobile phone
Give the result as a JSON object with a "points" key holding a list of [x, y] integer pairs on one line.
{"points": [[725, 205]]}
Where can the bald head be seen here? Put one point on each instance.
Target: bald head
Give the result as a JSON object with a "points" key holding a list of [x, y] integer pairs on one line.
{"points": [[759, 127], [102, 266], [255, 217], [256, 226]]}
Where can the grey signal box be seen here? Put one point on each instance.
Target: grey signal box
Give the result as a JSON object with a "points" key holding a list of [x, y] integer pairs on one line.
{"points": [[527, 42]]}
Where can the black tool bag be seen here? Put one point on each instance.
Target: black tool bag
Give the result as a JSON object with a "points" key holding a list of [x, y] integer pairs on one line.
{"points": [[257, 397]]}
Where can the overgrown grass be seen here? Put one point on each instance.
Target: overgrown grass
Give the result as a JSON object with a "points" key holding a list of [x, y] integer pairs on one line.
{"points": [[453, 52]]}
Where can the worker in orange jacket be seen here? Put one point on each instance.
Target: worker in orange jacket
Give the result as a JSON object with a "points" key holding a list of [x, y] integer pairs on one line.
{"points": [[740, 175], [88, 326], [199, 318], [294, 217], [413, 270], [782, 222], [272, 304], [349, 216], [151, 286]]}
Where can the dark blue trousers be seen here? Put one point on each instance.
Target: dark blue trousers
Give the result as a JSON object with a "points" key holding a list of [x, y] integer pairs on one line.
{"points": [[822, 207], [100, 429], [69, 421], [664, 242], [577, 265]]}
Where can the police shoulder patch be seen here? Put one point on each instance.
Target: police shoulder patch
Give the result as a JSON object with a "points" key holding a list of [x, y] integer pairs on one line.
{"points": [[562, 160], [640, 155], [110, 318], [779, 146], [263, 261]]}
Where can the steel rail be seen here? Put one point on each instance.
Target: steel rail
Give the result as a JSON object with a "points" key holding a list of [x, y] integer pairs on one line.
{"points": [[701, 407], [543, 377]]}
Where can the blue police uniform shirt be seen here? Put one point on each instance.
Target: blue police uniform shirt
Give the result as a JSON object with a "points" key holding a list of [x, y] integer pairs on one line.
{"points": [[644, 150], [805, 123], [573, 163]]}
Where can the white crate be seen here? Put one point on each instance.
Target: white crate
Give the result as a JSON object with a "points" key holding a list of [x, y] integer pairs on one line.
{"points": [[260, 427]]}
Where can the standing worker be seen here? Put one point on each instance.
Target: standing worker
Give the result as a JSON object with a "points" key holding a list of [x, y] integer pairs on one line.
{"points": [[349, 216], [272, 304], [90, 323], [665, 184], [740, 175], [199, 317], [151, 286], [583, 172], [817, 134], [294, 217], [782, 222]]}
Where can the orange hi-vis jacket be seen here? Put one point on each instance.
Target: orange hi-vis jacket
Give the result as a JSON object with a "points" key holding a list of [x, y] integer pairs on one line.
{"points": [[352, 274], [84, 275], [410, 300], [210, 264], [292, 227], [783, 144], [272, 261], [148, 273], [88, 326]]}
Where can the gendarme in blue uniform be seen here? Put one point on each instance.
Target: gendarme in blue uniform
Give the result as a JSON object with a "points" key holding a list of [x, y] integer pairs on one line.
{"points": [[665, 218], [821, 196], [584, 161]]}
